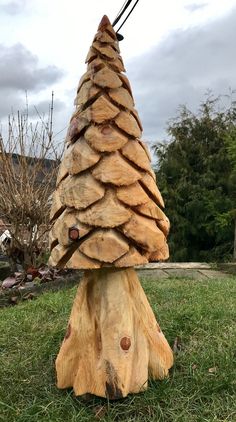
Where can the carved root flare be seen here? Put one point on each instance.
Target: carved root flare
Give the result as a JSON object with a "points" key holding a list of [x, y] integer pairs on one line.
{"points": [[113, 341]]}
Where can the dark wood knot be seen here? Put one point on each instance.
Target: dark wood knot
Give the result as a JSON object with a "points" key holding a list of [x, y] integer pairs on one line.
{"points": [[73, 233], [125, 343]]}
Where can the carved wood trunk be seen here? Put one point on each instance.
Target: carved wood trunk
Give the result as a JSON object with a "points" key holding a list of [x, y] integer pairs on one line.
{"points": [[113, 341]]}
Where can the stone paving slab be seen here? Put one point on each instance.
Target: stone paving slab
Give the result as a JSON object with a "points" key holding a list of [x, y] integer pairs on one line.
{"points": [[152, 273], [176, 265], [214, 274], [181, 273]]}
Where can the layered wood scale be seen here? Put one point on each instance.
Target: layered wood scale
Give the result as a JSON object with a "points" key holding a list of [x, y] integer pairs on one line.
{"points": [[107, 208]]}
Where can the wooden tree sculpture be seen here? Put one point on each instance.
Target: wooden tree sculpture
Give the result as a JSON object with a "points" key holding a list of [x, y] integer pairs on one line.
{"points": [[107, 218]]}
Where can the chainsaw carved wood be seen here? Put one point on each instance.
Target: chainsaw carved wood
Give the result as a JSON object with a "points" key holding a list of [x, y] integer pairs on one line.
{"points": [[107, 217]]}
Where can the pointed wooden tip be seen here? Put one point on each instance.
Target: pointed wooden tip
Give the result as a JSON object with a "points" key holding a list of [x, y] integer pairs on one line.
{"points": [[104, 23]]}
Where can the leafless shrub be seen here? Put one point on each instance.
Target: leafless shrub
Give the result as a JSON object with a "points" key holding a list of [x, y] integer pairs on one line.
{"points": [[28, 165]]}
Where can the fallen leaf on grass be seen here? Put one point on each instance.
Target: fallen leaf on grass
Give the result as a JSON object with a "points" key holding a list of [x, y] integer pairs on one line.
{"points": [[177, 347], [99, 412], [212, 370], [29, 296]]}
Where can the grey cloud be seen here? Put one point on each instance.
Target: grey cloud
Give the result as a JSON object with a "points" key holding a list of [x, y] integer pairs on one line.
{"points": [[42, 108], [13, 7], [19, 72], [194, 6], [181, 69], [19, 69]]}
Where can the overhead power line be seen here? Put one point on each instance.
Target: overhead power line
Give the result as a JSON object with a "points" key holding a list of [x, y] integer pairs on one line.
{"points": [[120, 14]]}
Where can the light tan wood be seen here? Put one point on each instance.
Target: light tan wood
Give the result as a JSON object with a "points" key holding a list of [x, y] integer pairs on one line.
{"points": [[121, 96], [104, 245], [95, 65], [102, 109], [80, 120], [150, 209], [135, 114], [108, 212], [164, 225], [105, 138], [80, 191], [103, 36], [84, 78], [114, 169], [105, 25], [91, 55], [113, 340], [57, 207], [105, 50], [67, 220], [145, 147], [106, 78], [128, 124], [79, 157], [153, 174], [117, 65], [135, 153], [132, 195], [131, 258], [144, 232], [87, 92], [79, 260], [52, 241], [162, 254], [62, 173], [126, 83], [149, 184], [58, 256]]}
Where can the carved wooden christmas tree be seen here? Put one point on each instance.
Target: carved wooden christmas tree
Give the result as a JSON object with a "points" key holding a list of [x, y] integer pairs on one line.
{"points": [[107, 217]]}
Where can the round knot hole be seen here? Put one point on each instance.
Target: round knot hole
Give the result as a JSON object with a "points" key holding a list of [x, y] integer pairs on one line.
{"points": [[125, 343]]}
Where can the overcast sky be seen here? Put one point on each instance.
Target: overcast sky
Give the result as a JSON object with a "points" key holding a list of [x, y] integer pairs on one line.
{"points": [[174, 51]]}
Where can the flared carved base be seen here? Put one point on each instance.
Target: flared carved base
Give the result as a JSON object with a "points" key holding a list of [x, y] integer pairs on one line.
{"points": [[113, 341]]}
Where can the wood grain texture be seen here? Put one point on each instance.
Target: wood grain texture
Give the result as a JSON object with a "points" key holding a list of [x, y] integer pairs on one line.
{"points": [[108, 212], [135, 153], [105, 138], [105, 50], [102, 109], [79, 157], [128, 124], [79, 260], [132, 195], [144, 231], [106, 78], [131, 258], [57, 207], [67, 220], [122, 97], [108, 244], [114, 169], [80, 191], [113, 341], [149, 184], [87, 92]]}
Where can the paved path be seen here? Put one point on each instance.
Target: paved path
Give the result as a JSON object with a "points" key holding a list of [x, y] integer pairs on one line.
{"points": [[194, 270]]}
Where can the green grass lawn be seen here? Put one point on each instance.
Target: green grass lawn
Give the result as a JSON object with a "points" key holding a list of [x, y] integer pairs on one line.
{"points": [[201, 386]]}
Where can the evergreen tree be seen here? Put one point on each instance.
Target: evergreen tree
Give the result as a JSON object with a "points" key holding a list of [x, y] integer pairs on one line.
{"points": [[196, 175]]}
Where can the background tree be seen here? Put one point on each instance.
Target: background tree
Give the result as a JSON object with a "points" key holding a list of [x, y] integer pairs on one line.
{"points": [[196, 176], [28, 167]]}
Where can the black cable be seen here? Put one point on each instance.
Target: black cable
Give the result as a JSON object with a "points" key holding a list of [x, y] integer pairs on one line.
{"points": [[123, 9], [127, 15]]}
